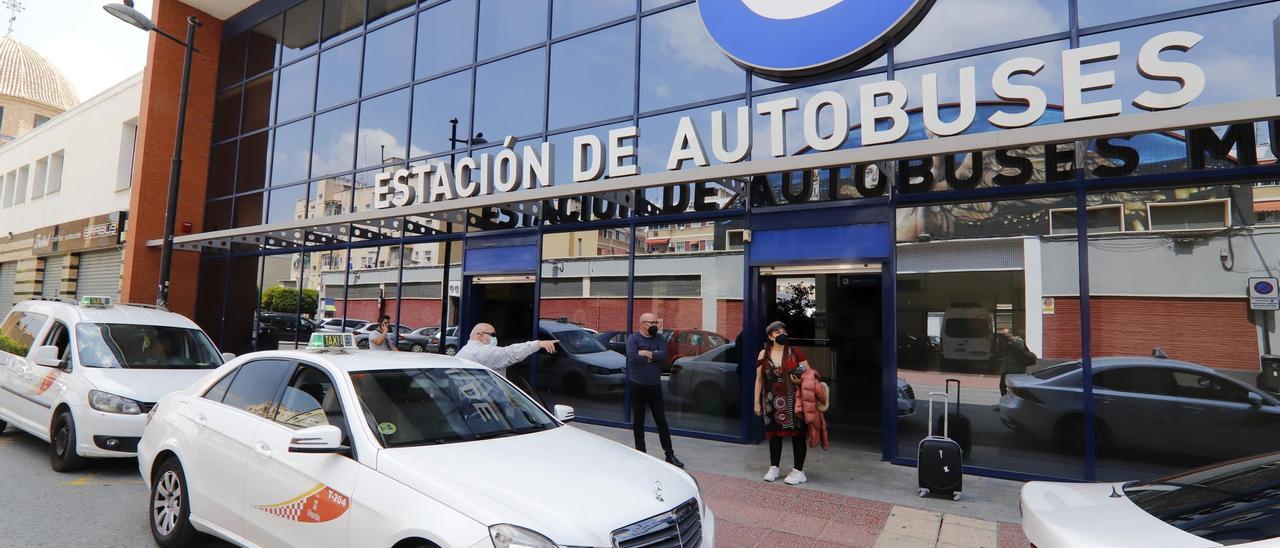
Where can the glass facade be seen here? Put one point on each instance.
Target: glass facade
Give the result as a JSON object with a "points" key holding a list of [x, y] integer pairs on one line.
{"points": [[985, 272]]}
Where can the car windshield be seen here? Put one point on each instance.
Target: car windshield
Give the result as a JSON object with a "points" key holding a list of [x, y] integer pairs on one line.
{"points": [[968, 328], [408, 407], [1229, 503], [1056, 371], [578, 341], [129, 346]]}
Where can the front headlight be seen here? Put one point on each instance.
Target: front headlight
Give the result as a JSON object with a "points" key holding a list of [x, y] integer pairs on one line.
{"points": [[505, 535], [111, 403]]}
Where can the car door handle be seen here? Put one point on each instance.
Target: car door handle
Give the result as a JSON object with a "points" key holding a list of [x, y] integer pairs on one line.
{"points": [[201, 420], [263, 449]]}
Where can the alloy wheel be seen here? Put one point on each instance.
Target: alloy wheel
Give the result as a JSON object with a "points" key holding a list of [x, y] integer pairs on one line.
{"points": [[166, 503]]}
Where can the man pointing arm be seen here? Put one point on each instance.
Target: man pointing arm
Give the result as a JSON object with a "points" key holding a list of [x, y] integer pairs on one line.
{"points": [[483, 349]]}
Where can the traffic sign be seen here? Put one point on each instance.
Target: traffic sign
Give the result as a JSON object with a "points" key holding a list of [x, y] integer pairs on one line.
{"points": [[1264, 294]]}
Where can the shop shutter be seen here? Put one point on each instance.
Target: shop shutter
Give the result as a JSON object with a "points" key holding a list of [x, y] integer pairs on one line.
{"points": [[100, 274], [8, 273], [52, 276]]}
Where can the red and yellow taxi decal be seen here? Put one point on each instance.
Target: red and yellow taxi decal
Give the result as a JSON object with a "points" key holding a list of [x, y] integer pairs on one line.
{"points": [[318, 505], [47, 382]]}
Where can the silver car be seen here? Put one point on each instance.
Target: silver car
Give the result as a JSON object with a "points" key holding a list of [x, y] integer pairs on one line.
{"points": [[1147, 404]]}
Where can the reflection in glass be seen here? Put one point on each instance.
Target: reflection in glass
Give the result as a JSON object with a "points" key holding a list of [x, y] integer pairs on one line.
{"points": [[434, 104], [379, 9], [264, 45], [226, 116], [509, 95], [939, 34], [258, 98], [388, 61], [445, 38], [222, 169], [248, 210], [572, 15], [1100, 12], [334, 143], [297, 89], [339, 75], [287, 204], [703, 71], [342, 18], [217, 215], [330, 197], [291, 155], [383, 129], [301, 30], [593, 77], [231, 60], [507, 25], [251, 165]]}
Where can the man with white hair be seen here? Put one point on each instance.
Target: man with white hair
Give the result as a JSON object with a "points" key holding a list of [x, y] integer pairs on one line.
{"points": [[483, 349]]}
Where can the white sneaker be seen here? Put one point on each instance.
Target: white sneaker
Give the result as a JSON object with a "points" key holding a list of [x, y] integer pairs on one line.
{"points": [[796, 477], [772, 474]]}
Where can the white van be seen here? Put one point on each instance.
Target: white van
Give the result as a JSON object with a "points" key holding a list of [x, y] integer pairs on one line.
{"points": [[967, 334], [82, 376]]}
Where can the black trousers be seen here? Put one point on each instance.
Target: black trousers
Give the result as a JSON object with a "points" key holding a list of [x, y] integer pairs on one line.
{"points": [[799, 448], [644, 395]]}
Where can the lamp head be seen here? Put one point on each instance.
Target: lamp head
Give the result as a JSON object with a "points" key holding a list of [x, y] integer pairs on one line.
{"points": [[125, 12]]}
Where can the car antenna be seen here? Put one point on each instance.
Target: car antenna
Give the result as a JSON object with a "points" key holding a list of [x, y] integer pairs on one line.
{"points": [[1158, 352], [1115, 494]]}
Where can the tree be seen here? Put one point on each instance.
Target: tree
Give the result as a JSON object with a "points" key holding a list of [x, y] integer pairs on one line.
{"points": [[285, 299], [796, 304]]}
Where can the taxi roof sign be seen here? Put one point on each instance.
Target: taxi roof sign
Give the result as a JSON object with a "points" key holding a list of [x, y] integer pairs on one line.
{"points": [[88, 301], [331, 341]]}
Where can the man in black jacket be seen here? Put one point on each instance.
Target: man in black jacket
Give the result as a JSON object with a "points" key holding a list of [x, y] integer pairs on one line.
{"points": [[646, 352]]}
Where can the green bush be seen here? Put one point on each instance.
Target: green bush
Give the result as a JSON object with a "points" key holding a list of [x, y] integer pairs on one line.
{"points": [[284, 299], [13, 347]]}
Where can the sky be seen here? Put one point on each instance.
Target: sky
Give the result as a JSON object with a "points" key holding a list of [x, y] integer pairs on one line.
{"points": [[92, 49]]}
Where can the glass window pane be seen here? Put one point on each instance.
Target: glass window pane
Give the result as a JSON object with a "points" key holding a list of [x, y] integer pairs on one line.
{"points": [[251, 164], [264, 45], [226, 118], [384, 129], [301, 30], [388, 60], [339, 75], [297, 89], [593, 77], [509, 95], [939, 34], [222, 169], [572, 15], [647, 5], [231, 60], [249, 210], [287, 204], [1099, 12], [434, 104], [507, 25], [254, 388], [258, 98], [335, 140], [387, 9], [446, 37], [563, 143], [985, 295], [342, 18], [330, 197], [291, 156], [704, 72], [217, 215]]}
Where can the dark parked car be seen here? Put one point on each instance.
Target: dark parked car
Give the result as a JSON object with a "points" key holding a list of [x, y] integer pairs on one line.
{"points": [[417, 340], [581, 365], [1145, 403], [284, 326]]}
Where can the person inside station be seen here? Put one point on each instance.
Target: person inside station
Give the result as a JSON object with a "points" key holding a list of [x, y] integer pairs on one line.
{"points": [[646, 352]]}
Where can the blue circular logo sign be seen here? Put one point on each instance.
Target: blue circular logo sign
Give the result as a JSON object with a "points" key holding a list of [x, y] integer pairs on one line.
{"points": [[800, 37], [1263, 288]]}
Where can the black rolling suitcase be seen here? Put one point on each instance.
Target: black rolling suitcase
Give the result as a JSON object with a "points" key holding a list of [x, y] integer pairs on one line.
{"points": [[960, 428], [940, 458]]}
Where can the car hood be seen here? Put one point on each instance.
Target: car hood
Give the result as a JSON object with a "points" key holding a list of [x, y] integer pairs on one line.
{"points": [[569, 485], [607, 359], [144, 385], [1085, 514]]}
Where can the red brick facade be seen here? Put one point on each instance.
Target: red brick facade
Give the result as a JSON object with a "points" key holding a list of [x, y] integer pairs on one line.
{"points": [[1217, 332]]}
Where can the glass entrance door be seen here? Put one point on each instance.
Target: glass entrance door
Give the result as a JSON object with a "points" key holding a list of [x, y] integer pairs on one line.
{"points": [[833, 316], [506, 302]]}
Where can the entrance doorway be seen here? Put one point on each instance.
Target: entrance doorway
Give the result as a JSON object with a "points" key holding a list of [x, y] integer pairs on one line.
{"points": [[833, 316], [506, 302]]}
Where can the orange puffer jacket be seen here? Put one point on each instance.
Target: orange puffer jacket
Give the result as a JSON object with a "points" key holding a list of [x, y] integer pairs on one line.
{"points": [[811, 393]]}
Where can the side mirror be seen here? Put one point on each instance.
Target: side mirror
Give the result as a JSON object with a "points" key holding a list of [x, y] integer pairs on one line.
{"points": [[47, 356], [1255, 400], [564, 413], [227, 356], [325, 438]]}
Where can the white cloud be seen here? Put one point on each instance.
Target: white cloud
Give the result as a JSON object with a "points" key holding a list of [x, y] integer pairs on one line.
{"points": [[957, 25], [92, 49]]}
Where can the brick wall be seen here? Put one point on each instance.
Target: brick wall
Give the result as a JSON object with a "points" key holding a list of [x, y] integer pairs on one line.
{"points": [[1218, 333], [414, 313]]}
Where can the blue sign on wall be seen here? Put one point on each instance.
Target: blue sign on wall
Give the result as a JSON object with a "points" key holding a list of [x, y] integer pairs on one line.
{"points": [[799, 37]]}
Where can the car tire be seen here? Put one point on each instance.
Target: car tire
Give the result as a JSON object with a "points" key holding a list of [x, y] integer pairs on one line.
{"points": [[62, 444], [3, 425], [363, 344], [450, 350], [1069, 434], [416, 348], [169, 511]]}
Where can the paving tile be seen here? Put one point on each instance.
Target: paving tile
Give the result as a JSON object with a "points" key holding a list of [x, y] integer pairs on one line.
{"points": [[861, 517], [968, 536], [814, 494], [829, 544], [968, 522], [850, 535], [814, 508], [908, 512], [868, 504], [779, 539], [800, 524], [737, 534], [767, 499], [889, 540], [732, 491], [1011, 536], [913, 523], [735, 511]]}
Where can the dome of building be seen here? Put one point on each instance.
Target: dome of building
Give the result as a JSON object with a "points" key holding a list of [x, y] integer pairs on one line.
{"points": [[25, 74]]}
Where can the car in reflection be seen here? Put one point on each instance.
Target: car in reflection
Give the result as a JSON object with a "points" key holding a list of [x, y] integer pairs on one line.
{"points": [[366, 331], [339, 325], [918, 350], [285, 326], [418, 340], [450, 341], [710, 383], [680, 343], [1149, 404], [1227, 504], [613, 340], [581, 366]]}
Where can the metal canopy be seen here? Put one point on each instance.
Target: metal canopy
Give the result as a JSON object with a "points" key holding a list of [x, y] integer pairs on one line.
{"points": [[377, 224]]}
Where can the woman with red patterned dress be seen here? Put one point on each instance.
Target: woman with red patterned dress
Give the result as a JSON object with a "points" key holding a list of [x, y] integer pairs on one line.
{"points": [[779, 369]]}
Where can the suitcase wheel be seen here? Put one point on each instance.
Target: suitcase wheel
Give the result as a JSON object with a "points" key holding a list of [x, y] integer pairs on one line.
{"points": [[955, 495], [922, 492]]}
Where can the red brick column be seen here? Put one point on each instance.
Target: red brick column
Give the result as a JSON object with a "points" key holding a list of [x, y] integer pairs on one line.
{"points": [[157, 122]]}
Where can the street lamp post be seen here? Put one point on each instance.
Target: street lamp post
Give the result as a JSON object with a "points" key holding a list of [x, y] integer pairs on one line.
{"points": [[126, 12], [454, 141]]}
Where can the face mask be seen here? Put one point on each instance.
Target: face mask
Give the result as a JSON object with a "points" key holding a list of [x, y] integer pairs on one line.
{"points": [[493, 341], [653, 330], [781, 339]]}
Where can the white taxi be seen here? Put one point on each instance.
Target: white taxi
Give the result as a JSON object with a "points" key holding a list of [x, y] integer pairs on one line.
{"points": [[344, 447], [82, 375]]}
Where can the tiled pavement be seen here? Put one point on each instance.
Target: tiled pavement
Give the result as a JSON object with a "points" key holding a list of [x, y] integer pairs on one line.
{"points": [[753, 514]]}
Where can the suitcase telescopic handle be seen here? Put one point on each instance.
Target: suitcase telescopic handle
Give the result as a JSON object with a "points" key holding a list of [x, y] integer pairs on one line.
{"points": [[946, 423], [948, 388]]}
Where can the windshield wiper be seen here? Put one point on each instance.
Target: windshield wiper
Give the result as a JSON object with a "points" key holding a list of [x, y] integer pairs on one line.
{"points": [[1138, 486], [494, 434]]}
